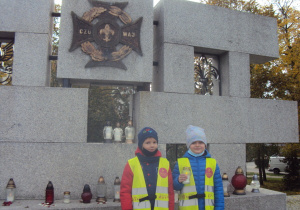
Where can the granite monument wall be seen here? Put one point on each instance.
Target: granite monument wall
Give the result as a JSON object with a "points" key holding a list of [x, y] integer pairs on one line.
{"points": [[43, 130]]}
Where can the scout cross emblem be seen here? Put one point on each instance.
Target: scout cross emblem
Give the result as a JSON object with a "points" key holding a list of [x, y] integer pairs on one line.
{"points": [[99, 25]]}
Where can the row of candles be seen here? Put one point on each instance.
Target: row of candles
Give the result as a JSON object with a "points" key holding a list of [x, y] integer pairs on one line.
{"points": [[238, 181], [86, 194], [115, 135]]}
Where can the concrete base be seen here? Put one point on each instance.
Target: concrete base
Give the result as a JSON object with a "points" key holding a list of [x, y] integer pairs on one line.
{"points": [[264, 200], [59, 204]]}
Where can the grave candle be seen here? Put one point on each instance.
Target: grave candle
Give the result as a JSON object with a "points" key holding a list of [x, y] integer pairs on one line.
{"points": [[255, 184], [49, 198], [186, 171], [239, 182], [129, 133], [101, 190], [117, 189], [67, 197], [226, 184], [118, 132], [108, 132], [10, 190], [86, 194]]}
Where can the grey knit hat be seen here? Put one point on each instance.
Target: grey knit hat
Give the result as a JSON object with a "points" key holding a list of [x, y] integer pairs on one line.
{"points": [[194, 133]]}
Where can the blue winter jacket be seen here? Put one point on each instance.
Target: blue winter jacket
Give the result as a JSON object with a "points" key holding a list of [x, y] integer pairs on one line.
{"points": [[198, 165]]}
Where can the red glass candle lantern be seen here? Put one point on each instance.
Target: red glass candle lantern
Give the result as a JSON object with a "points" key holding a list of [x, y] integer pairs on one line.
{"points": [[239, 182], [49, 199], [86, 195]]}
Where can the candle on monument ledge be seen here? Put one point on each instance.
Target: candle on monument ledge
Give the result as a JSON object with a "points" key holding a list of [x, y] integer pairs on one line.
{"points": [[117, 184], [118, 133], [101, 190], [255, 184], [86, 194], [129, 133], [10, 191], [226, 184], [239, 182], [108, 132], [67, 197], [49, 198]]}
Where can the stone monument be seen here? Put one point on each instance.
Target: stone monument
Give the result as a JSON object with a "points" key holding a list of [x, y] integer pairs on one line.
{"points": [[43, 130]]}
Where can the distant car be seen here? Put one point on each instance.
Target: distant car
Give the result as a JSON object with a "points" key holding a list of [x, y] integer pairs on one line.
{"points": [[277, 165]]}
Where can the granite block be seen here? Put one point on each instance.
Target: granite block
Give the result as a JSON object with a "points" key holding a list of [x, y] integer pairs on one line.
{"points": [[235, 74], [176, 67], [30, 16], [31, 66], [68, 165], [213, 27], [41, 114], [72, 64], [225, 119], [235, 155], [265, 200]]}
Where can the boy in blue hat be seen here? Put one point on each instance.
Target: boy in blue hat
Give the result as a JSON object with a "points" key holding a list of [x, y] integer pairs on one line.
{"points": [[147, 179], [202, 188]]}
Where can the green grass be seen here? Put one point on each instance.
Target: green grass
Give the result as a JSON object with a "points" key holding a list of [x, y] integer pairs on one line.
{"points": [[274, 183], [268, 174]]}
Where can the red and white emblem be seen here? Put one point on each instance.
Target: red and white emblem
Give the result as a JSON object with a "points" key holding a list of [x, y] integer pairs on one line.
{"points": [[208, 172], [163, 172]]}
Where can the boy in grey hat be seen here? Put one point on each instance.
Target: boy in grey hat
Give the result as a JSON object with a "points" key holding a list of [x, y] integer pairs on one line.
{"points": [[201, 188]]}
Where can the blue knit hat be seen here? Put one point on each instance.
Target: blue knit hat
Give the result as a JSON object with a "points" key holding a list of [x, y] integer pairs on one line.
{"points": [[145, 133], [194, 133]]}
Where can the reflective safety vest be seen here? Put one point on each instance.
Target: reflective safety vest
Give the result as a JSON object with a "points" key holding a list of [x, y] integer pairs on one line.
{"points": [[185, 203], [139, 189]]}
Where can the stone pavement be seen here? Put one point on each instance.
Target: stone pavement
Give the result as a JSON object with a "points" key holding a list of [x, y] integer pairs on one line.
{"points": [[293, 202]]}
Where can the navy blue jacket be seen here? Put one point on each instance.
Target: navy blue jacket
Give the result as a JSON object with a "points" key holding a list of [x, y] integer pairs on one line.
{"points": [[198, 165]]}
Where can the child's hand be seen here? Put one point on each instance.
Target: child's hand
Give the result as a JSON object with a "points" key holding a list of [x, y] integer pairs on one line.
{"points": [[182, 178]]}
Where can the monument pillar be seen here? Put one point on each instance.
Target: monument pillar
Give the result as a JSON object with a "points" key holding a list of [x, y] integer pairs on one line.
{"points": [[32, 28], [235, 74]]}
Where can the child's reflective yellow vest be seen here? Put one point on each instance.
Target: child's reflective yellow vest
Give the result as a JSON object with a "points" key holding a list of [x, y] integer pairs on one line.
{"points": [[190, 189], [139, 189]]}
